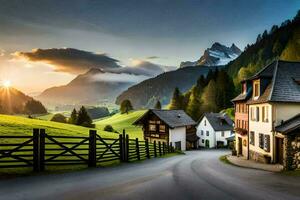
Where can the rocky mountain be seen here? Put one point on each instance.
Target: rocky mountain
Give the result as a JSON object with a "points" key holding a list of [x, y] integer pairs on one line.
{"points": [[216, 55], [90, 88], [13, 101], [146, 93]]}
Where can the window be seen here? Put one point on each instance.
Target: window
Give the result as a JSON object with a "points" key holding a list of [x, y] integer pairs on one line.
{"points": [[261, 140], [204, 122], [252, 113], [222, 134], [162, 128], [267, 143], [202, 132], [265, 114], [152, 127], [256, 89], [252, 138], [257, 114], [207, 133], [202, 140]]}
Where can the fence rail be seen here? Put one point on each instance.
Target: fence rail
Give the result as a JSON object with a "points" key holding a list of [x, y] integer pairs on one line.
{"points": [[43, 149]]}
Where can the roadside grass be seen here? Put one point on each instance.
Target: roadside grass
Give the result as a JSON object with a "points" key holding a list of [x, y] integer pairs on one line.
{"points": [[291, 173], [225, 160]]}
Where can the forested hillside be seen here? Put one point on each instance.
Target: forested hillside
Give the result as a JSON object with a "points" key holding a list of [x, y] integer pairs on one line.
{"points": [[280, 42]]}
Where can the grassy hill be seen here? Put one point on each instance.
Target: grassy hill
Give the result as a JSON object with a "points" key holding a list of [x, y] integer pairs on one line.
{"points": [[18, 125], [123, 121]]}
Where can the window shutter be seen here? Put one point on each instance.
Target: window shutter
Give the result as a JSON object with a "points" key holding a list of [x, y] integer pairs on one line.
{"points": [[267, 143], [261, 140], [257, 114]]}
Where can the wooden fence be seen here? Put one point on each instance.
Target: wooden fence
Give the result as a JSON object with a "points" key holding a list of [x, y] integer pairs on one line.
{"points": [[43, 149]]}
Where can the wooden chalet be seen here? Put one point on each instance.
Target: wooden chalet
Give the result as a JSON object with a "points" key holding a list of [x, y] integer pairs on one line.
{"points": [[174, 127]]}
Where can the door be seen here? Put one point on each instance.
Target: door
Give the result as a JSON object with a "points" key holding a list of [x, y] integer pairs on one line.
{"points": [[178, 146], [279, 150], [207, 143], [240, 146]]}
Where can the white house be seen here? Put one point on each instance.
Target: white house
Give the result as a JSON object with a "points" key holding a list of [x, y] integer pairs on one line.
{"points": [[213, 130], [173, 127]]}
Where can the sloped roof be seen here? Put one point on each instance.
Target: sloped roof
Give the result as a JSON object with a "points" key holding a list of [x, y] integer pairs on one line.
{"points": [[289, 125], [284, 85], [243, 96], [219, 121], [173, 118]]}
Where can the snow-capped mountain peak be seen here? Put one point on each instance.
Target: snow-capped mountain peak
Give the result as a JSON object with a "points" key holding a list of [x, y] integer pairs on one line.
{"points": [[217, 54]]}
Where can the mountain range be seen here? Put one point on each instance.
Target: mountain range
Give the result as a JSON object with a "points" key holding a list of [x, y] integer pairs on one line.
{"points": [[216, 55], [88, 88], [146, 93]]}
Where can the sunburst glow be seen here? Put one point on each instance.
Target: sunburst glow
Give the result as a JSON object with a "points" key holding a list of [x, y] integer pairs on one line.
{"points": [[6, 83]]}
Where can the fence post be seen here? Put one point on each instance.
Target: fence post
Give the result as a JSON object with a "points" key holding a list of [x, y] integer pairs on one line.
{"points": [[147, 148], [168, 148], [164, 148], [159, 148], [137, 149], [155, 150], [36, 151], [92, 149], [127, 148], [124, 145], [121, 148], [42, 149], [171, 147]]}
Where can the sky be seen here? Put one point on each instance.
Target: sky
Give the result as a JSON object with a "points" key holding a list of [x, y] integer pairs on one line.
{"points": [[47, 43]]}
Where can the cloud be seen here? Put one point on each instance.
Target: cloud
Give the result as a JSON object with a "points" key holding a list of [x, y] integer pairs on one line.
{"points": [[74, 61], [119, 78], [152, 57], [141, 67], [2, 52], [70, 60]]}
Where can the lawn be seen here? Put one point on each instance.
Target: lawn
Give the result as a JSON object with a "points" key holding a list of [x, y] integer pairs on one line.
{"points": [[123, 121]]}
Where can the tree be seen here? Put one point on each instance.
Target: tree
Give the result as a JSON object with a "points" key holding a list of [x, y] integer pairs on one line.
{"points": [[194, 106], [83, 118], [258, 39], [209, 97], [224, 90], [59, 118], [108, 128], [73, 117], [177, 100], [157, 105], [126, 106], [34, 107]]}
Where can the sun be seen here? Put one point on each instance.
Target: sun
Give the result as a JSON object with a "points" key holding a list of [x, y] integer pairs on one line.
{"points": [[6, 83]]}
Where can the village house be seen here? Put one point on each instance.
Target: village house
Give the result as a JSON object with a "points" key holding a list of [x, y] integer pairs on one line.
{"points": [[173, 127], [214, 129], [273, 105]]}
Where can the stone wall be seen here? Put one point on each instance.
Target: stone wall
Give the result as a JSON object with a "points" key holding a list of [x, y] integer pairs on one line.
{"points": [[292, 150], [258, 157]]}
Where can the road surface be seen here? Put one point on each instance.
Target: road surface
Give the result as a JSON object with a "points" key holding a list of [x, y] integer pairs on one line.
{"points": [[196, 175]]}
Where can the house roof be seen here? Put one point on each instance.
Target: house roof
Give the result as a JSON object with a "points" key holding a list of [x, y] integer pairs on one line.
{"points": [[219, 121], [284, 85], [230, 138], [289, 125], [243, 96], [173, 118]]}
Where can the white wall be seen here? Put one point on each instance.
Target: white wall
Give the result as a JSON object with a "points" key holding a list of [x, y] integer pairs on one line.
{"points": [[261, 127], [211, 137], [284, 111], [221, 138], [178, 134]]}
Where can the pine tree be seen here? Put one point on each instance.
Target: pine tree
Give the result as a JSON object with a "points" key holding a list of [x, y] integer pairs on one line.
{"points": [[126, 106], [209, 97], [83, 118], [177, 100], [73, 117], [194, 106], [157, 105]]}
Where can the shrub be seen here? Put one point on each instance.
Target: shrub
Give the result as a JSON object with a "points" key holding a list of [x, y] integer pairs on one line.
{"points": [[109, 128], [59, 118]]}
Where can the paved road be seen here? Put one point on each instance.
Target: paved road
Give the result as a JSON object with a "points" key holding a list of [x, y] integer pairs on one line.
{"points": [[196, 175]]}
